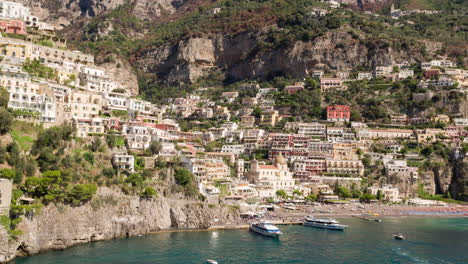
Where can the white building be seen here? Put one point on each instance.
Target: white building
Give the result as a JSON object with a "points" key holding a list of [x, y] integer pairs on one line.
{"points": [[26, 95], [364, 76], [403, 74], [271, 178], [400, 168], [10, 9], [388, 191], [138, 137], [124, 162], [382, 71], [235, 149], [85, 105], [87, 127]]}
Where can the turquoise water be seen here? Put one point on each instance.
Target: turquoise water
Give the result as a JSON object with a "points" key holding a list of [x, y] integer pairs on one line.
{"points": [[427, 241]]}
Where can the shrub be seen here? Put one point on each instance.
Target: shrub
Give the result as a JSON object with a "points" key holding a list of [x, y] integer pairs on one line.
{"points": [[149, 193], [80, 193], [183, 176], [7, 174], [6, 120], [366, 198], [89, 157], [281, 194], [108, 172]]}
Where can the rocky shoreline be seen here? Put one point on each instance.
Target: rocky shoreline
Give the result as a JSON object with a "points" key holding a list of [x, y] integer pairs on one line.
{"points": [[108, 216]]}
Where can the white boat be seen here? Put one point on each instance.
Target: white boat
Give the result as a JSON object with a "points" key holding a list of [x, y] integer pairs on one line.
{"points": [[210, 261], [265, 229], [327, 223]]}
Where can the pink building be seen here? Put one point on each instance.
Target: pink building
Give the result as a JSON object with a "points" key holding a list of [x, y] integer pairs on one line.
{"points": [[13, 27], [338, 113]]}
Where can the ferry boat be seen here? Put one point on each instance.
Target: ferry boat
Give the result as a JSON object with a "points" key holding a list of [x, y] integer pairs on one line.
{"points": [[327, 223], [265, 229]]}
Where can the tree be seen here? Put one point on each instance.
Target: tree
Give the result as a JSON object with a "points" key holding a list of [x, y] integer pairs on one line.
{"points": [[343, 192], [366, 198], [297, 192], [183, 176], [281, 194], [135, 179], [111, 141], [355, 193], [4, 97], [380, 195], [355, 115], [80, 193], [155, 147], [311, 197], [149, 192], [6, 120], [257, 112], [108, 172], [95, 144], [7, 174], [427, 151]]}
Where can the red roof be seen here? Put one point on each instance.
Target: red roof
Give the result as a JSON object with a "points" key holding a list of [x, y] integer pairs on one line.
{"points": [[338, 107], [267, 167]]}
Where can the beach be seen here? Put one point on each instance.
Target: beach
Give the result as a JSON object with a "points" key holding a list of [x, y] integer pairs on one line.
{"points": [[288, 216]]}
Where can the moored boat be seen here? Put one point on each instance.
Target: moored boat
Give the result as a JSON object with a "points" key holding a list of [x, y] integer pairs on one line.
{"points": [[265, 229], [327, 223]]}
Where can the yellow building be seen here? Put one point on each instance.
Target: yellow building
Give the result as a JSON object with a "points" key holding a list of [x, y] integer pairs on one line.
{"points": [[269, 118]]}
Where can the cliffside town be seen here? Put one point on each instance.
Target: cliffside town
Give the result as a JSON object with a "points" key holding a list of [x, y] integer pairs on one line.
{"points": [[195, 131]]}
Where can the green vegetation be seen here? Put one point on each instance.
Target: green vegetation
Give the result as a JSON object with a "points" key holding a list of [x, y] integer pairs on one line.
{"points": [[149, 192], [281, 194], [120, 113], [36, 68], [185, 179], [45, 42], [80, 193], [25, 142], [305, 103], [6, 119], [367, 198]]}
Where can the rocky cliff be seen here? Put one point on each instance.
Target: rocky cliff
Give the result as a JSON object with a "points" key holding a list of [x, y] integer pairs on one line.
{"points": [[110, 214], [241, 57]]}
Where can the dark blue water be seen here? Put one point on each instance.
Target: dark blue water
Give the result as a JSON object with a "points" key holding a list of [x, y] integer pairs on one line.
{"points": [[427, 241]]}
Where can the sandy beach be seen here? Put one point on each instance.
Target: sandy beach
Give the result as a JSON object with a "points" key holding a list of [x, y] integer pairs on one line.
{"points": [[285, 216]]}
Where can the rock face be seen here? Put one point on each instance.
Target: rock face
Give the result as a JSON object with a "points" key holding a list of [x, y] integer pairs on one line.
{"points": [[7, 246], [109, 215], [67, 12], [459, 183], [240, 57], [122, 73]]}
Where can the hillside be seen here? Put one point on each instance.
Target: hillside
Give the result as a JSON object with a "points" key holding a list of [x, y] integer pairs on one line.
{"points": [[185, 40]]}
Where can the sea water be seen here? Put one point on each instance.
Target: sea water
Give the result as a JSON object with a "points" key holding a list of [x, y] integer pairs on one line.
{"points": [[428, 240]]}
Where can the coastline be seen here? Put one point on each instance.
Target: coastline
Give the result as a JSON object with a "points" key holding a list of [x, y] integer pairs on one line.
{"points": [[378, 211], [284, 217]]}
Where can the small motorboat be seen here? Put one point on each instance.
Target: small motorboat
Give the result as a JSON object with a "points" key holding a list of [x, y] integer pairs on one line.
{"points": [[266, 229], [398, 236], [327, 223], [210, 261]]}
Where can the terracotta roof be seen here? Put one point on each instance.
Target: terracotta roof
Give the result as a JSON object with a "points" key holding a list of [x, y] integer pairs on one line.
{"points": [[267, 167]]}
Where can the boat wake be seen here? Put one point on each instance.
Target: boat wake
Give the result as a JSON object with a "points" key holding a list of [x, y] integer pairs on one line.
{"points": [[407, 254]]}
